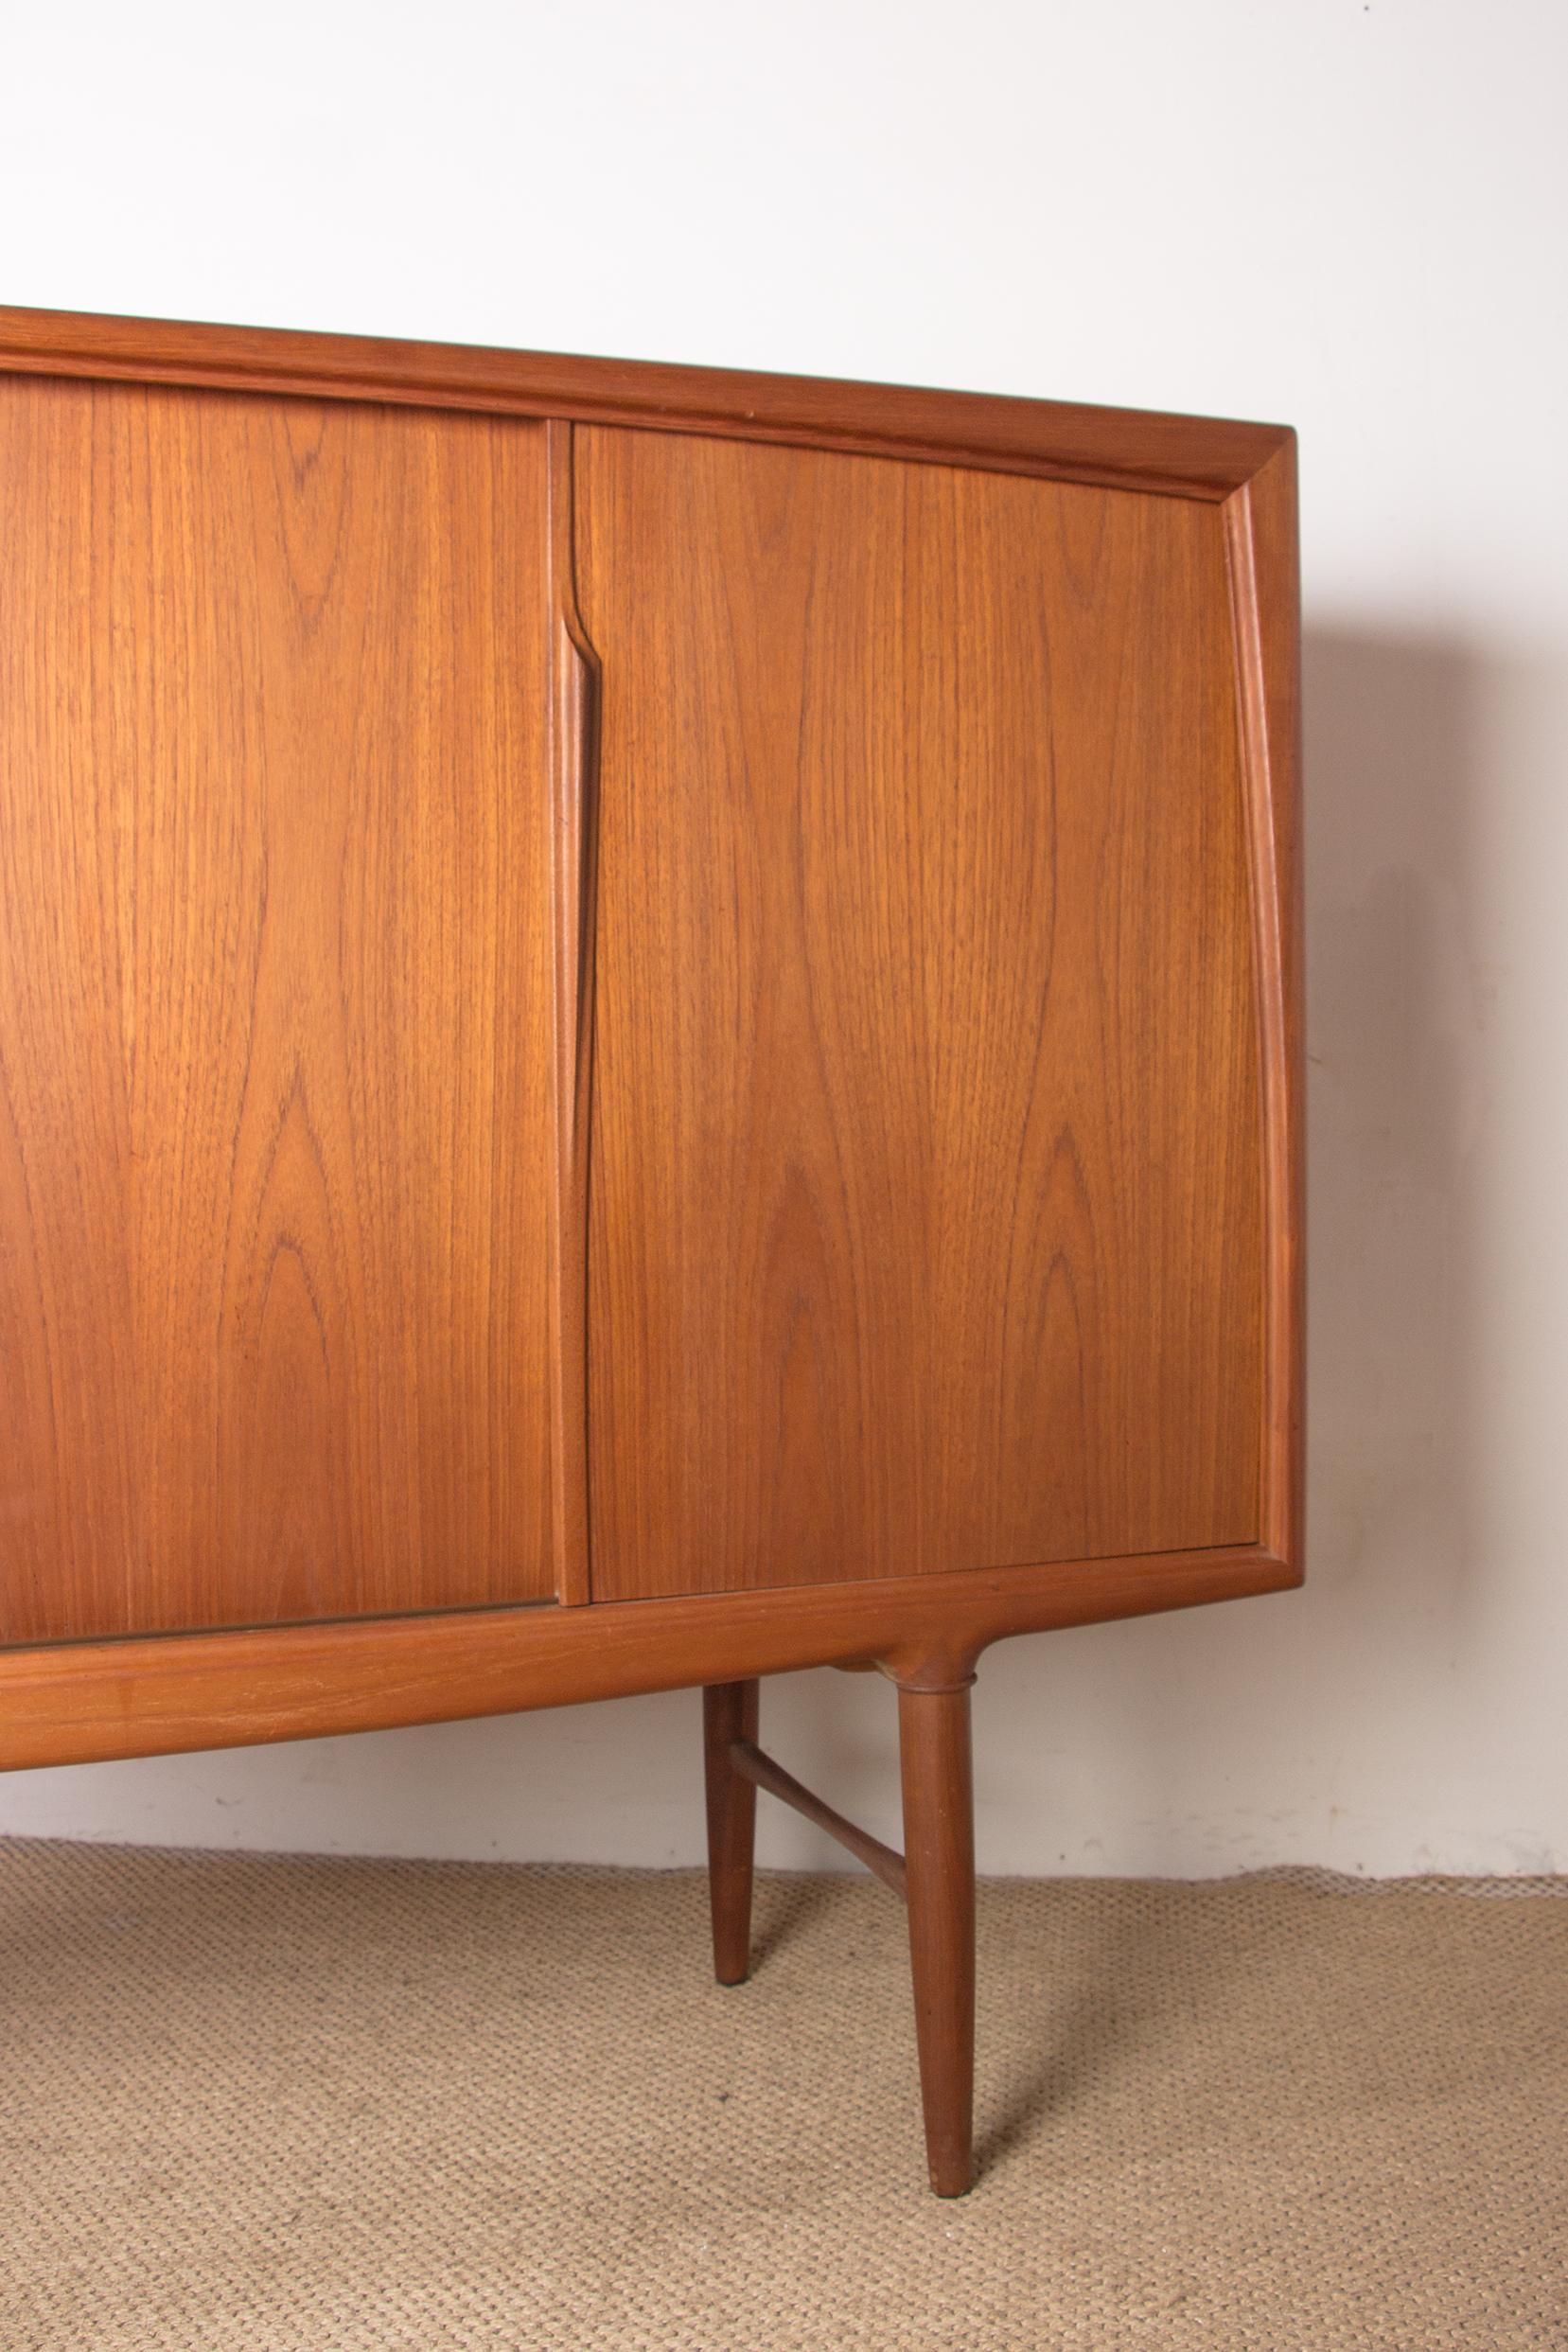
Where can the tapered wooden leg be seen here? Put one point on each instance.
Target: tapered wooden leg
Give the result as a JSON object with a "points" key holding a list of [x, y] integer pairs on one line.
{"points": [[938, 1853], [729, 1713]]}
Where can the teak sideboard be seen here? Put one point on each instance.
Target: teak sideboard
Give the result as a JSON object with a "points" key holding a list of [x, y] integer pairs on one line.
{"points": [[649, 1034]]}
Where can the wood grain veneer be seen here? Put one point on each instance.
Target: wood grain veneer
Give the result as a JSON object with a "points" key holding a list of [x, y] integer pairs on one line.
{"points": [[665, 995], [926, 1196], [276, 1147]]}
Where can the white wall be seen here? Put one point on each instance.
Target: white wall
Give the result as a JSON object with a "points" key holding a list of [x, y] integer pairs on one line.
{"points": [[1346, 215]]}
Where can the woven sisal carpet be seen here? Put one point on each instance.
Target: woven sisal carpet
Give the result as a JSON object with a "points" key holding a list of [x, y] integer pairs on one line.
{"points": [[250, 2104]]}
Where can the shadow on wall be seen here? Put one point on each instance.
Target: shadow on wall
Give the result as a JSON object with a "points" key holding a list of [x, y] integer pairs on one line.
{"points": [[1399, 1000]]}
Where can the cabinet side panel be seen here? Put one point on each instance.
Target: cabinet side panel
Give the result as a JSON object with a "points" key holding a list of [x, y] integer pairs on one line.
{"points": [[274, 1112], [925, 1223]]}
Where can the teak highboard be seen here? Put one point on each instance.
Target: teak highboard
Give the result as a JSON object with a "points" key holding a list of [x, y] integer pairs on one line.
{"points": [[649, 1034]]}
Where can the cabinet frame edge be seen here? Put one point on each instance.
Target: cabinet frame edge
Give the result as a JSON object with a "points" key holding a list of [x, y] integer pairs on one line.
{"points": [[1263, 560]]}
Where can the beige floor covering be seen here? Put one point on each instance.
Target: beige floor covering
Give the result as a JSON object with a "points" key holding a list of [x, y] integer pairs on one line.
{"points": [[252, 2103]]}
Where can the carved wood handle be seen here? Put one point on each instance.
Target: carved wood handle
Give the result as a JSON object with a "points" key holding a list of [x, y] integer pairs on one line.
{"points": [[574, 708], [576, 796]]}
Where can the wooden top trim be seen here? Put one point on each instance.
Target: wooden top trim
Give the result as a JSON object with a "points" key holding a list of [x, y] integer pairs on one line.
{"points": [[1128, 449]]}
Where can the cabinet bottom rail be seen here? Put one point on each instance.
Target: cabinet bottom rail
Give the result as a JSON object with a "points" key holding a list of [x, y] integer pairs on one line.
{"points": [[164, 1693]]}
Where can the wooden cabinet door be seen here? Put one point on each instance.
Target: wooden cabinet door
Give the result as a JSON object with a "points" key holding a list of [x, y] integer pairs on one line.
{"points": [[924, 1224], [275, 1114]]}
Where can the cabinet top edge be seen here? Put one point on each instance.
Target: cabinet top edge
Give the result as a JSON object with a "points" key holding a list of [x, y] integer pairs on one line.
{"points": [[1133, 449]]}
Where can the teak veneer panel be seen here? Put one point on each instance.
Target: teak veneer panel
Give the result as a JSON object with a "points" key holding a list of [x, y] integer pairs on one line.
{"points": [[925, 1220], [275, 1140]]}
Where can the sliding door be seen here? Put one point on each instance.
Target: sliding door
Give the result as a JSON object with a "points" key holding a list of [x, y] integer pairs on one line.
{"points": [[274, 1118], [925, 1224]]}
